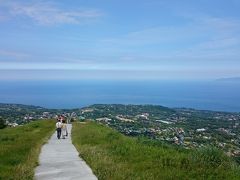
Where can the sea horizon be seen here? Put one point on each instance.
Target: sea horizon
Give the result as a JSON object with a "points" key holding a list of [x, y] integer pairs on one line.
{"points": [[68, 94]]}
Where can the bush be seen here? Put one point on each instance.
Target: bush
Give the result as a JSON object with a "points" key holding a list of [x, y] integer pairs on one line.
{"points": [[2, 123]]}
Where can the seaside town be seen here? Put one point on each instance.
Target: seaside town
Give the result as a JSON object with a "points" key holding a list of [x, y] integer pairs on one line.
{"points": [[187, 128]]}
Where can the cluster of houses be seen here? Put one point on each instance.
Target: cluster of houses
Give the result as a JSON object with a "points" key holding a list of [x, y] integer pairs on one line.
{"points": [[167, 130], [45, 115]]}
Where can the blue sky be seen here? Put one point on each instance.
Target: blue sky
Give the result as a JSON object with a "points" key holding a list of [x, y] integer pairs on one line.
{"points": [[146, 39]]}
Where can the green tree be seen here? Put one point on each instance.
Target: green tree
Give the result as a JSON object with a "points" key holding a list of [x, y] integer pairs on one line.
{"points": [[2, 123]]}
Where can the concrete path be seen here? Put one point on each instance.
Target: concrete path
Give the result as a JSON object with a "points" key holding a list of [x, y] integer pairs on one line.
{"points": [[59, 160]]}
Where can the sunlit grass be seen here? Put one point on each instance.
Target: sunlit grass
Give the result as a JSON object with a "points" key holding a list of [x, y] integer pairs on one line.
{"points": [[112, 155], [20, 148]]}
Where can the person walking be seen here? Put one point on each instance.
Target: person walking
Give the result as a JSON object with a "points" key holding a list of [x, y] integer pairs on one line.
{"points": [[180, 136], [64, 129], [59, 128]]}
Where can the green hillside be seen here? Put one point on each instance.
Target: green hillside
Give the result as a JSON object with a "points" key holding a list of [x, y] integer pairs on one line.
{"points": [[112, 155], [20, 148]]}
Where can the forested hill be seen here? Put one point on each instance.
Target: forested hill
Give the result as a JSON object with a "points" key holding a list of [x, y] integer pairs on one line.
{"points": [[21, 114]]}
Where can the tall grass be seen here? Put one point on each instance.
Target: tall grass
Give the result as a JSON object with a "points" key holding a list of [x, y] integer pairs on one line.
{"points": [[112, 155], [20, 148]]}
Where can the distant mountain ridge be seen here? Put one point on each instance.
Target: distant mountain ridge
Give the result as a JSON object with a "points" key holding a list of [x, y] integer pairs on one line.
{"points": [[232, 79]]}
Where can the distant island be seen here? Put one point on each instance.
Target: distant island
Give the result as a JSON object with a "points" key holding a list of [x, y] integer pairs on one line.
{"points": [[232, 79]]}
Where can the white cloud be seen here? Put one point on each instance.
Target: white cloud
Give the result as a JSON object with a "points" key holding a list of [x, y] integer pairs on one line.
{"points": [[13, 54], [2, 17], [195, 28], [200, 37], [50, 14]]}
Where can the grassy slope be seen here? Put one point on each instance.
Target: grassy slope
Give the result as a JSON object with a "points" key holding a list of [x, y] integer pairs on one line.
{"points": [[112, 155], [20, 147]]}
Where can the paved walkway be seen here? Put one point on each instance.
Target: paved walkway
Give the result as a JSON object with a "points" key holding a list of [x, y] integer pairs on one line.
{"points": [[59, 160]]}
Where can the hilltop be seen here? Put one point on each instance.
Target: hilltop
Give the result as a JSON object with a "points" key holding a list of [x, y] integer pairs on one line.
{"points": [[20, 148], [112, 155], [138, 141], [201, 127]]}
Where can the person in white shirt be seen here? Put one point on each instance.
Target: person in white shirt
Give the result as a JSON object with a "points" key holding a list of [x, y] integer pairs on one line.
{"points": [[59, 129], [64, 129]]}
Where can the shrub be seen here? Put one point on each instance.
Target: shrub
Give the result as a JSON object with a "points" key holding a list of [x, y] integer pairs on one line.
{"points": [[2, 123]]}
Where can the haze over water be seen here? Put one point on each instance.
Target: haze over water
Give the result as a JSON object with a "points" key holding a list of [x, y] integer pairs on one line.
{"points": [[207, 95], [51, 50]]}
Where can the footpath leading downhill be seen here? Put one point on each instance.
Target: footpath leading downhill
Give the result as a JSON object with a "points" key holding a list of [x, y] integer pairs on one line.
{"points": [[59, 160]]}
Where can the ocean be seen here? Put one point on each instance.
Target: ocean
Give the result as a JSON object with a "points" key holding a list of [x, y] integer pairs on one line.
{"points": [[205, 95]]}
